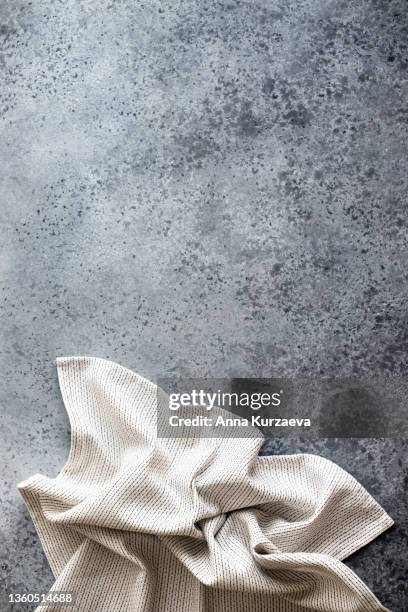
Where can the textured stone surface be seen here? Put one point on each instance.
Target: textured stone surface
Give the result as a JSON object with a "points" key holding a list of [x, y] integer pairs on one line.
{"points": [[205, 188]]}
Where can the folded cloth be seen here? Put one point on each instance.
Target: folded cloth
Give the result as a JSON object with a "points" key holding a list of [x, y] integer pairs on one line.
{"points": [[137, 523]]}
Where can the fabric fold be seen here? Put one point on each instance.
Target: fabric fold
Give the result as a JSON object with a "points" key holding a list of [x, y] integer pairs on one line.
{"points": [[136, 523]]}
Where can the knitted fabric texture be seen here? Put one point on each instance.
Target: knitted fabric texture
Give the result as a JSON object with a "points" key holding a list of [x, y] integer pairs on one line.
{"points": [[137, 523]]}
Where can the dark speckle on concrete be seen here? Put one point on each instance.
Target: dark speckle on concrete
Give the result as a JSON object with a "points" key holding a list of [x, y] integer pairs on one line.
{"points": [[204, 188]]}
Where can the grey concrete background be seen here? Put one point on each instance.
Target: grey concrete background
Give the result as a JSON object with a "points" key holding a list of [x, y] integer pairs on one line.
{"points": [[209, 189]]}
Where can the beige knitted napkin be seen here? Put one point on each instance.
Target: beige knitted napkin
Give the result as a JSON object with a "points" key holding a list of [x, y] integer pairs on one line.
{"points": [[136, 523]]}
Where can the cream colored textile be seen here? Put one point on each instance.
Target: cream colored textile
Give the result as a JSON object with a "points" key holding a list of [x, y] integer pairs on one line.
{"points": [[135, 523]]}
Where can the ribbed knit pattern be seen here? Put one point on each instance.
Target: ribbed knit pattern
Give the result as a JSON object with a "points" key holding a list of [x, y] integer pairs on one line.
{"points": [[135, 523]]}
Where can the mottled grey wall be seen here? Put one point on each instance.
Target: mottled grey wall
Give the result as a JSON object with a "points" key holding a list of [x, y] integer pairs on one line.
{"points": [[205, 188]]}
